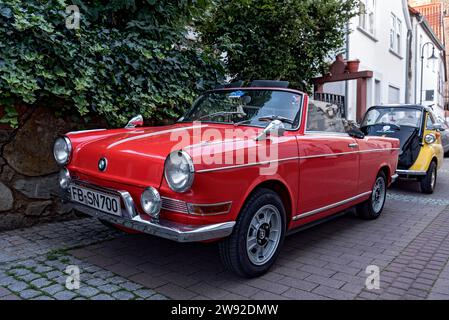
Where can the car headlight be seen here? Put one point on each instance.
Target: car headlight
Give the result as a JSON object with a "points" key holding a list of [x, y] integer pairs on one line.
{"points": [[179, 171], [64, 178], [151, 202], [62, 150], [430, 138]]}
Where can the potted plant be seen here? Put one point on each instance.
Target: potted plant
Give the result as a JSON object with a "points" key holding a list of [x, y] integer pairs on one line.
{"points": [[353, 65]]}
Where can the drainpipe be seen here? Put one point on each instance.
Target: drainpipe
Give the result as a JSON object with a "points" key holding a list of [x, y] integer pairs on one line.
{"points": [[346, 82], [420, 20], [408, 54]]}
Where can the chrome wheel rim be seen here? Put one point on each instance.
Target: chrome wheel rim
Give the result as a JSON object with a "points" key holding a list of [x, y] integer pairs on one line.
{"points": [[433, 179], [378, 195], [264, 235]]}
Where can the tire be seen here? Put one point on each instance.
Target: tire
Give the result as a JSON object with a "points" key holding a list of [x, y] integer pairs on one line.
{"points": [[430, 180], [254, 232], [372, 208]]}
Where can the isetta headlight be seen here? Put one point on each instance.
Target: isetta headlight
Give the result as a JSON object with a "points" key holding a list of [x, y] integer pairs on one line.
{"points": [[62, 150], [430, 138], [179, 171]]}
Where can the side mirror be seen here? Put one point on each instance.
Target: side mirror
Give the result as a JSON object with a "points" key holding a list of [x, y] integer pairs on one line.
{"points": [[275, 128], [438, 127], [356, 133], [137, 121]]}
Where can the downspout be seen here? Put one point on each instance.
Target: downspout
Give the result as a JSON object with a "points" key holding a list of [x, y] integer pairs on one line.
{"points": [[408, 53], [420, 19], [346, 82]]}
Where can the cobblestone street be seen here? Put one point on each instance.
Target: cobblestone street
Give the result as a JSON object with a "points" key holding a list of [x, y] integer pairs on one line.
{"points": [[409, 243]]}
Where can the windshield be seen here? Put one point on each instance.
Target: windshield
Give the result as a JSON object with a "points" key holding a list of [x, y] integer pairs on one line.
{"points": [[246, 107], [397, 116]]}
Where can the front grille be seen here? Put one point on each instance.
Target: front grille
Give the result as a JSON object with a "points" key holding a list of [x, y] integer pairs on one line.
{"points": [[174, 205]]}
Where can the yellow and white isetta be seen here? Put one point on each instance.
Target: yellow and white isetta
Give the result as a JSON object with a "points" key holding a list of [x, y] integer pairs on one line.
{"points": [[415, 126]]}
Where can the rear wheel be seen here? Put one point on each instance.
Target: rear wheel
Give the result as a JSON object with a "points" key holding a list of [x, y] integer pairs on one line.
{"points": [[257, 237], [372, 208], [430, 180]]}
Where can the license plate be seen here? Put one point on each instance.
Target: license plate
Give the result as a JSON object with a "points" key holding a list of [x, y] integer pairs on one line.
{"points": [[95, 199]]}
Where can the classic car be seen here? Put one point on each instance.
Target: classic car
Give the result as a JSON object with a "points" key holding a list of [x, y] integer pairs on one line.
{"points": [[415, 126], [245, 166]]}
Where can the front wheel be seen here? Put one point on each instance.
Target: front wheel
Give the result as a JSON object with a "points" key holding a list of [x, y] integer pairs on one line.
{"points": [[430, 180], [372, 208], [257, 237]]}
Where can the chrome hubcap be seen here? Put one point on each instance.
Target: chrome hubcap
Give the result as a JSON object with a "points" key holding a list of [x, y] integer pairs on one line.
{"points": [[264, 234], [378, 196]]}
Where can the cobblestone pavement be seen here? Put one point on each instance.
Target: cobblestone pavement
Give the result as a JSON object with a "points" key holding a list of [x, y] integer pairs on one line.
{"points": [[409, 243]]}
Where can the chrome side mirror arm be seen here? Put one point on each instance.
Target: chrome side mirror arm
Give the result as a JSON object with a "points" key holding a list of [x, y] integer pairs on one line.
{"points": [[137, 121], [275, 128]]}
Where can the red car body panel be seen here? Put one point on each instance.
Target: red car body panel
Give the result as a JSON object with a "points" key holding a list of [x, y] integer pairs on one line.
{"points": [[314, 170]]}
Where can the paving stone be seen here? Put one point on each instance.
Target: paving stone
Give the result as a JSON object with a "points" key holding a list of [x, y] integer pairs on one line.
{"points": [[130, 286], [109, 288], [87, 291], [53, 289], [40, 283], [29, 294], [65, 295], [102, 297], [17, 286], [123, 295], [144, 293]]}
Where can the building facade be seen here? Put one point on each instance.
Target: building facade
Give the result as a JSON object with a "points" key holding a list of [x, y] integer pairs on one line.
{"points": [[386, 37]]}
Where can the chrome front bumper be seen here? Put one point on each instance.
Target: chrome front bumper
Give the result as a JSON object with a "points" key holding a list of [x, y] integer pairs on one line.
{"points": [[160, 228], [394, 178]]}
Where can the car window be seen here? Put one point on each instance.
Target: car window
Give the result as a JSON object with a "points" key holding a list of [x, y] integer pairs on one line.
{"points": [[430, 122], [399, 116], [324, 117]]}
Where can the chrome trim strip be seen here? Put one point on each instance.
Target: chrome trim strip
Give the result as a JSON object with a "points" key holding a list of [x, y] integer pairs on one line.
{"points": [[411, 172], [331, 206], [294, 158], [86, 131]]}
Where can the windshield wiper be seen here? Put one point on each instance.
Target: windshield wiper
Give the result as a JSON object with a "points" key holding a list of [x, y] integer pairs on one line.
{"points": [[271, 118], [222, 113]]}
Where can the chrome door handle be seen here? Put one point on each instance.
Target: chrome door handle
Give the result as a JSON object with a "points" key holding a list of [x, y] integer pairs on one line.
{"points": [[353, 145]]}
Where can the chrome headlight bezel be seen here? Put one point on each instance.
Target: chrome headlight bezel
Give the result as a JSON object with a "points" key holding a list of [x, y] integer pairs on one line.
{"points": [[64, 178], [66, 143], [430, 138], [189, 171]]}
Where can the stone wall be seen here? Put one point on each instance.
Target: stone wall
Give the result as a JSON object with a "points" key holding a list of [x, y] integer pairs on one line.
{"points": [[28, 172]]}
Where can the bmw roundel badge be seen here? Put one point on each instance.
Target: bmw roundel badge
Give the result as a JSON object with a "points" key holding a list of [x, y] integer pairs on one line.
{"points": [[102, 164]]}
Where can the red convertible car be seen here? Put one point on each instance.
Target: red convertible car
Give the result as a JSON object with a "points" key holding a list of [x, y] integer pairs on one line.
{"points": [[245, 166]]}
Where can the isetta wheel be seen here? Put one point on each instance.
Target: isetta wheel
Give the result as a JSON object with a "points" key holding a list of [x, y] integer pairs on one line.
{"points": [[430, 180], [258, 235]]}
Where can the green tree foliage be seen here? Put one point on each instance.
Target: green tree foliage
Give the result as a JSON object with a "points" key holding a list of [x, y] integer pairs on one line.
{"points": [[278, 39], [127, 57]]}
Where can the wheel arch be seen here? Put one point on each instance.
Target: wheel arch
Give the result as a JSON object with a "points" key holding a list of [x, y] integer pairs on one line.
{"points": [[281, 188]]}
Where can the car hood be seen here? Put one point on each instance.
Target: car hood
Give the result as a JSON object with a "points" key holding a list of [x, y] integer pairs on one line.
{"points": [[137, 156]]}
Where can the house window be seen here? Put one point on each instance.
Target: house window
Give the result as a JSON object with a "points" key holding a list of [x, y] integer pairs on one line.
{"points": [[393, 94], [395, 34], [367, 15], [430, 94]]}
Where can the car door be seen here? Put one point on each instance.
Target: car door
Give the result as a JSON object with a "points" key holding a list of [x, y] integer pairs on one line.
{"points": [[329, 163]]}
